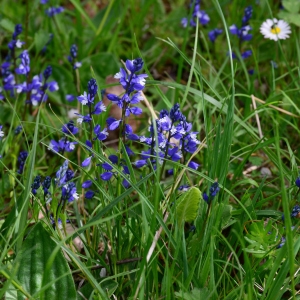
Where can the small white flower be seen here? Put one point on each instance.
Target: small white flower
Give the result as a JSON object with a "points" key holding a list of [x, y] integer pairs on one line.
{"points": [[275, 29], [72, 113]]}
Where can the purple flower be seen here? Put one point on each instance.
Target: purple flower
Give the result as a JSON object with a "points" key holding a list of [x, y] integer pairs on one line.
{"points": [[140, 163], [113, 123], [246, 54], [99, 108], [86, 162], [24, 67], [92, 87], [214, 189], [52, 11], [70, 128], [85, 99], [85, 119], [297, 181], [100, 135], [61, 174], [70, 98], [213, 34], [247, 15], [295, 211], [89, 194], [69, 192], [134, 65], [242, 33], [62, 145], [21, 160], [107, 166], [205, 197], [87, 184], [1, 132], [193, 165], [106, 176]]}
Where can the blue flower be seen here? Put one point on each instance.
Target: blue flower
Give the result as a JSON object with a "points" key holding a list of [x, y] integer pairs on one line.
{"points": [[140, 163], [213, 34], [86, 162], [16, 131], [184, 188], [214, 189], [70, 128], [295, 211], [1, 132], [62, 145], [47, 73], [205, 197], [199, 14], [36, 184], [247, 15], [69, 192], [24, 67], [72, 57], [89, 194], [246, 54], [61, 174], [52, 11], [46, 185], [99, 108], [193, 165], [21, 160], [113, 123], [134, 65], [92, 87], [242, 33], [87, 184], [297, 181], [100, 135], [106, 176]]}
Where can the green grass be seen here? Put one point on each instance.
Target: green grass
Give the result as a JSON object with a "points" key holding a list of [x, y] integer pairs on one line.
{"points": [[148, 241]]}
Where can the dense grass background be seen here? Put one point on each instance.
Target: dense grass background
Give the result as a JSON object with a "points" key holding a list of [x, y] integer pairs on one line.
{"points": [[230, 250]]}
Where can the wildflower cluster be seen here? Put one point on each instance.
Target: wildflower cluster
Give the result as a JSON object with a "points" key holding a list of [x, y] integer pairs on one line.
{"points": [[64, 181], [243, 33], [88, 99], [213, 191], [35, 90], [21, 161], [52, 10], [197, 13], [72, 57], [133, 84]]}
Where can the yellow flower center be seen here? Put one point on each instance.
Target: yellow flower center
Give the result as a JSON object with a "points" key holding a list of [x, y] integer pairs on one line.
{"points": [[275, 29]]}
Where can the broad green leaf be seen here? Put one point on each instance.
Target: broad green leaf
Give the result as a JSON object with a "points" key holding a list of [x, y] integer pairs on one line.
{"points": [[195, 294], [188, 205], [226, 215], [292, 6], [40, 39], [34, 255], [290, 17], [8, 25]]}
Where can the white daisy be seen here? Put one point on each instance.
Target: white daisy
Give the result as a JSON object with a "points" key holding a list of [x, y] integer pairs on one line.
{"points": [[275, 29]]}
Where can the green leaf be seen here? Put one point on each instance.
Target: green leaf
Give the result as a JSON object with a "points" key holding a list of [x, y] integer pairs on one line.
{"points": [[34, 255], [290, 17], [188, 205], [291, 6], [8, 25], [226, 215], [40, 39], [196, 294]]}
